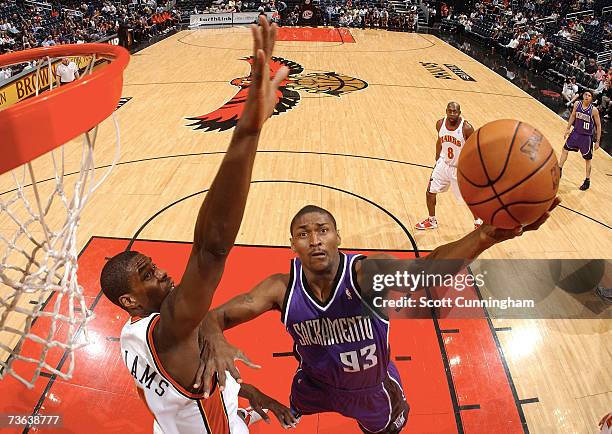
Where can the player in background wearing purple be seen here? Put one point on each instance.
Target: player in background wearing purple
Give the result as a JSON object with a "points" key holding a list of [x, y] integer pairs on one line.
{"points": [[340, 340], [584, 118]]}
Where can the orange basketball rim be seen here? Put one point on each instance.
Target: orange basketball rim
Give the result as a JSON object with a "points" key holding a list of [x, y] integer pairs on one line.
{"points": [[39, 124]]}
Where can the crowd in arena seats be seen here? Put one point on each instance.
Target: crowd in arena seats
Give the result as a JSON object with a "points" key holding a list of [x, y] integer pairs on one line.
{"points": [[541, 38], [378, 14], [218, 6], [364, 14], [30, 26], [357, 13]]}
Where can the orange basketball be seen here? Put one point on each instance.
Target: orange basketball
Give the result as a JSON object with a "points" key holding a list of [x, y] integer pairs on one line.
{"points": [[508, 173]]}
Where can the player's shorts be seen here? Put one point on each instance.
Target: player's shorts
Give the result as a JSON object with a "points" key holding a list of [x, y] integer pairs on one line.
{"points": [[381, 409], [443, 177], [580, 142]]}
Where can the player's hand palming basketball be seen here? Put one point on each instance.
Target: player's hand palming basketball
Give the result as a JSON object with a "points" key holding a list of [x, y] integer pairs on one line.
{"points": [[497, 235], [263, 92]]}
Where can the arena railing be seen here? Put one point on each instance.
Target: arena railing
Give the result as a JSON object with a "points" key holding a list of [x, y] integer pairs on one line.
{"points": [[42, 5], [607, 10], [586, 13], [546, 20], [604, 57], [49, 7]]}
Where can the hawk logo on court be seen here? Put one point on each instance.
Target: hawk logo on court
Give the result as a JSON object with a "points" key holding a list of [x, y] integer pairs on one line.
{"points": [[328, 83]]}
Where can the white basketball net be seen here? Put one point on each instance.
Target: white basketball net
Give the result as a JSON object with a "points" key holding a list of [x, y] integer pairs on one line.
{"points": [[38, 265]]}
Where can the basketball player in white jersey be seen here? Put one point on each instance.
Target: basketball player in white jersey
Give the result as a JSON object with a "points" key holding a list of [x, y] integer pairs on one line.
{"points": [[453, 131], [161, 345]]}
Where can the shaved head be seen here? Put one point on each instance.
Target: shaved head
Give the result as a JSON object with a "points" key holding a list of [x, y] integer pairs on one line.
{"points": [[453, 112], [453, 106]]}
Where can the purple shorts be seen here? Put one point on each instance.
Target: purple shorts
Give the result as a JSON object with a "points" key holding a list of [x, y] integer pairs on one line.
{"points": [[381, 409], [580, 142]]}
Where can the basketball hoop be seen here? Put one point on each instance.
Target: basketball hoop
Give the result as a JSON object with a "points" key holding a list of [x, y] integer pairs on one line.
{"points": [[39, 251]]}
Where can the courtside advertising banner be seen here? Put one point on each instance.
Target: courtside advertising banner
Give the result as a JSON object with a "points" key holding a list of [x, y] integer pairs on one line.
{"points": [[224, 19]]}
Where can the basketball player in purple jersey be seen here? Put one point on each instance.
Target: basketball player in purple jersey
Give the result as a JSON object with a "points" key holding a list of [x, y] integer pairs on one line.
{"points": [[341, 342], [584, 118]]}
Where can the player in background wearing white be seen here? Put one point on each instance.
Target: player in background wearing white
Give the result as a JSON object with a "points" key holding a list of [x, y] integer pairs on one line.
{"points": [[162, 344], [66, 72], [453, 131]]}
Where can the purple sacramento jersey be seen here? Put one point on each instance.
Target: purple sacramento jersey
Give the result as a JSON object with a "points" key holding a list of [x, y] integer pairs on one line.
{"points": [[341, 342], [583, 124], [343, 349], [581, 138]]}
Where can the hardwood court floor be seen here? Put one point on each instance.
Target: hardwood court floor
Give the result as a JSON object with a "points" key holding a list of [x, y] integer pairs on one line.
{"points": [[366, 155]]}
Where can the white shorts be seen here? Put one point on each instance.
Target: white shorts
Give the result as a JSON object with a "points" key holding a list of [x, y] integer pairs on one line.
{"points": [[442, 177]]}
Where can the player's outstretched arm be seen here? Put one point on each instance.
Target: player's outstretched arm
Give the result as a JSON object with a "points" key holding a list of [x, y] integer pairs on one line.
{"points": [[473, 244], [221, 213], [217, 354], [452, 257]]}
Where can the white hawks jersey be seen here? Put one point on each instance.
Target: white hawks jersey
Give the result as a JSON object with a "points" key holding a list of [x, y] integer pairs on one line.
{"points": [[176, 410], [452, 143]]}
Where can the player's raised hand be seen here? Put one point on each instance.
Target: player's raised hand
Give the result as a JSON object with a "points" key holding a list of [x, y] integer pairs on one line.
{"points": [[263, 92], [219, 356], [498, 235]]}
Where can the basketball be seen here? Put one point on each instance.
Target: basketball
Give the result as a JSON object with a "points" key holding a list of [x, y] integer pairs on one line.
{"points": [[508, 173]]}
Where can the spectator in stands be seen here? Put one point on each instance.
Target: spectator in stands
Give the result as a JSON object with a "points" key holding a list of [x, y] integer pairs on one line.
{"points": [[600, 74], [5, 74], [598, 91], [564, 33], [444, 11], [48, 42], [384, 18], [606, 100], [432, 15], [570, 91], [591, 67], [281, 7], [510, 47], [345, 20], [292, 19]]}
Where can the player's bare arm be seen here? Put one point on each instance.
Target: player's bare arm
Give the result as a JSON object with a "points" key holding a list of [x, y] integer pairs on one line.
{"points": [[468, 130], [597, 120], [439, 141], [570, 121], [217, 354], [464, 250], [218, 221]]}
